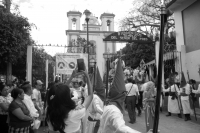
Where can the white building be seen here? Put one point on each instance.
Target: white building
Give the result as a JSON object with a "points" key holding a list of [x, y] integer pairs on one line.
{"points": [[187, 21], [97, 32]]}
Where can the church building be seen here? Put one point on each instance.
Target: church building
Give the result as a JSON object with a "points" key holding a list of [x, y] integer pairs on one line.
{"points": [[98, 29]]}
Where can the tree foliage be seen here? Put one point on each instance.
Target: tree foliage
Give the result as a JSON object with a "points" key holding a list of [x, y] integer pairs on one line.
{"points": [[14, 35], [39, 65], [145, 17], [14, 39], [134, 53]]}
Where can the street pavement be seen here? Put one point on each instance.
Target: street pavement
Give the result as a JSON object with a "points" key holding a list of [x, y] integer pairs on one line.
{"points": [[171, 124]]}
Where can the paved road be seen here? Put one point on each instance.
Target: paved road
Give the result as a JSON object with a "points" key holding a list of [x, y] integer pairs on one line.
{"points": [[171, 124]]}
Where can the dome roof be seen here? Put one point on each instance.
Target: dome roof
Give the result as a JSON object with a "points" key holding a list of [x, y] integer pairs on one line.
{"points": [[93, 20]]}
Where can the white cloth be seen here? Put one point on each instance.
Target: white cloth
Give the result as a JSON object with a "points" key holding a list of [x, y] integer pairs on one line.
{"points": [[144, 86], [113, 122], [96, 107], [73, 122], [133, 87], [173, 105], [95, 110], [30, 105], [37, 96]]}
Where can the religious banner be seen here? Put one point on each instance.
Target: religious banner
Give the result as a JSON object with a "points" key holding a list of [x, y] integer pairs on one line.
{"points": [[66, 62]]}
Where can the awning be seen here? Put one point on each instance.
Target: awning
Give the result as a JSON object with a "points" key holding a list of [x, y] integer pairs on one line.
{"points": [[167, 56]]}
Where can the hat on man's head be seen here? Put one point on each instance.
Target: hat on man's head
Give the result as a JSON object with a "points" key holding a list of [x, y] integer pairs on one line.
{"points": [[39, 82]]}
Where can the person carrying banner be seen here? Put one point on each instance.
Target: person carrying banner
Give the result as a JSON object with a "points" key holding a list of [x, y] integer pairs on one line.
{"points": [[184, 93], [95, 110], [112, 119], [174, 105]]}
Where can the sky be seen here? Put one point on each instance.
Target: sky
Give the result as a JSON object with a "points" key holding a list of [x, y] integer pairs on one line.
{"points": [[50, 17]]}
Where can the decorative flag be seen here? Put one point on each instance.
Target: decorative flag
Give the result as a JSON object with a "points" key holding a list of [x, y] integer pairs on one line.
{"points": [[117, 90], [142, 63], [183, 81], [99, 86]]}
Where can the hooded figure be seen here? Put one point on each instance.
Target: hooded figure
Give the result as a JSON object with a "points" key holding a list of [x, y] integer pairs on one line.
{"points": [[117, 91], [184, 93], [95, 109], [174, 105], [112, 120]]}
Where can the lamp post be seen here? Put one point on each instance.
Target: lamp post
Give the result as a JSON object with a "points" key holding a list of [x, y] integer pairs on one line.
{"points": [[93, 64], [107, 56], [87, 14], [163, 17]]}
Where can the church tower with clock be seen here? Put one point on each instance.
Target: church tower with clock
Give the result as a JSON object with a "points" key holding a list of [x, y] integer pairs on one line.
{"points": [[98, 30]]}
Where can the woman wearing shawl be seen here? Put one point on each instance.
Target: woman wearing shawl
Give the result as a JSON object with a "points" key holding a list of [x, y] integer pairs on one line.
{"points": [[149, 104]]}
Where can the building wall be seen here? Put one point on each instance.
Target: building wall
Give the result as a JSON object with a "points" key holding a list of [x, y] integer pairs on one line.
{"points": [[191, 26], [100, 47], [178, 7], [193, 64]]}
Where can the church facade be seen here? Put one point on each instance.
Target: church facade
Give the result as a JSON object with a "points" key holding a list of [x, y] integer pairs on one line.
{"points": [[97, 32]]}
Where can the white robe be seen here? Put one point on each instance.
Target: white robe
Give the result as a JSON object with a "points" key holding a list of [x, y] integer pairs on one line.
{"points": [[173, 105], [185, 100], [113, 122], [94, 111]]}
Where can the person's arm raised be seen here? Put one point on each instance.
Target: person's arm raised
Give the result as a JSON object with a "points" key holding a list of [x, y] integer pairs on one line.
{"points": [[90, 91]]}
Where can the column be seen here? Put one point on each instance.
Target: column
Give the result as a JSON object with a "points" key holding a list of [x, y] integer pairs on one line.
{"points": [[29, 64], [47, 69]]}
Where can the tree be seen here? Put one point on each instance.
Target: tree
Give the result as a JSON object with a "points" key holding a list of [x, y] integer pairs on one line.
{"points": [[39, 65], [145, 17], [14, 36], [133, 53]]}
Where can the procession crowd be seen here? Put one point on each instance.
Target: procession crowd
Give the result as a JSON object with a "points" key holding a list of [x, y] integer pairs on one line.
{"points": [[87, 107]]}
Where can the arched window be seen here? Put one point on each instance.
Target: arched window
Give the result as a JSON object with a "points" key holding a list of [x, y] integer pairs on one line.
{"points": [[74, 24], [92, 48], [108, 25]]}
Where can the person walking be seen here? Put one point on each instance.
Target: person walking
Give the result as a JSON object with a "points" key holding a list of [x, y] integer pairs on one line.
{"points": [[173, 100], [112, 120], [131, 99], [185, 91], [149, 104], [36, 96]]}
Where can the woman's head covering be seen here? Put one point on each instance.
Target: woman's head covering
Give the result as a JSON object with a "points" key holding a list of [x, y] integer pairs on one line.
{"points": [[117, 91]]}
